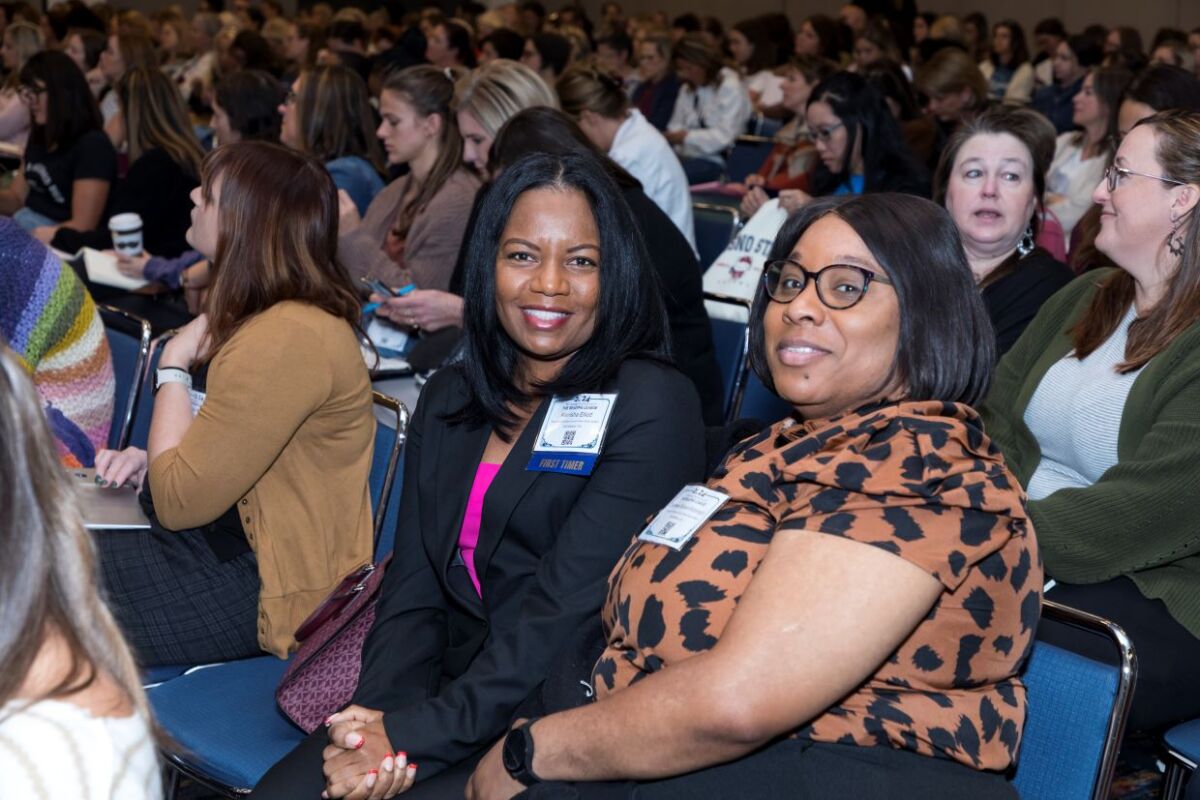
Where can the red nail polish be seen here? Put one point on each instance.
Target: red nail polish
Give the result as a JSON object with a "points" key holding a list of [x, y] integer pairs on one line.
{"points": [[361, 742], [372, 772], [401, 754]]}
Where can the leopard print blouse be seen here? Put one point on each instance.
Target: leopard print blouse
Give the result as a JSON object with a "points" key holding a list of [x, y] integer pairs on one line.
{"points": [[920, 480]]}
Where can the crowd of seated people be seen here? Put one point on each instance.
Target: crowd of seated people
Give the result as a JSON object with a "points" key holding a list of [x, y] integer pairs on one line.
{"points": [[991, 373]]}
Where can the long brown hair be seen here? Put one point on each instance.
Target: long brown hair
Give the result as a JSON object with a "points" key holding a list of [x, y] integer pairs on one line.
{"points": [[429, 91], [276, 237], [155, 116], [49, 581], [335, 118], [1178, 152]]}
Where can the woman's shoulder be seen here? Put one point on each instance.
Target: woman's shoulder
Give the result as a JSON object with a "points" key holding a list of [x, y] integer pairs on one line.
{"points": [[292, 325], [650, 387], [95, 141]]}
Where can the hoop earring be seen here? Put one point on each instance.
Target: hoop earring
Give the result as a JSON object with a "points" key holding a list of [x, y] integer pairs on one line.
{"points": [[1175, 240], [1026, 245]]}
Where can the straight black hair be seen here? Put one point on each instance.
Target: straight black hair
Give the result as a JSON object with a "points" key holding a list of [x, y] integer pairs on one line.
{"points": [[1163, 86], [888, 165], [459, 39], [71, 110], [507, 43], [542, 129], [630, 321], [251, 98], [947, 347]]}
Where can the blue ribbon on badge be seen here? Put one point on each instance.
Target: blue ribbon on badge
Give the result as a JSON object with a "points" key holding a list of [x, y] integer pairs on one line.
{"points": [[565, 463]]}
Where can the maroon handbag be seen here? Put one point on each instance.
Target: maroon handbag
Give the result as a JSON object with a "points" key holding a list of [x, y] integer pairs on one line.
{"points": [[324, 671]]}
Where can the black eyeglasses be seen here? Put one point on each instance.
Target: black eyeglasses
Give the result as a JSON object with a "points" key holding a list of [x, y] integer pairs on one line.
{"points": [[839, 286], [826, 133], [29, 93], [1114, 174]]}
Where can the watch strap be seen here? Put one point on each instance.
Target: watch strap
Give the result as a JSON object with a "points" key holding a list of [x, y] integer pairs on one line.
{"points": [[519, 743], [164, 375]]}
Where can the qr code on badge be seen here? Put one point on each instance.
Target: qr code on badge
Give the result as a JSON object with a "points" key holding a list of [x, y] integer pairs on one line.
{"points": [[568, 438]]}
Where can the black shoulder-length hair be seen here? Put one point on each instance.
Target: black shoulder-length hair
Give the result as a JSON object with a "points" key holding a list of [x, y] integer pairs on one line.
{"points": [[71, 110], [630, 321], [947, 347]]}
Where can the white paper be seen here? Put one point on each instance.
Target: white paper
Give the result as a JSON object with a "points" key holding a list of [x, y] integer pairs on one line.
{"points": [[693, 506], [378, 363], [386, 336], [102, 269]]}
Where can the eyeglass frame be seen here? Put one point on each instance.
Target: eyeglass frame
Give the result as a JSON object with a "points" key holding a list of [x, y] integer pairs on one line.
{"points": [[825, 134], [1113, 174], [28, 92], [815, 279], [290, 98]]}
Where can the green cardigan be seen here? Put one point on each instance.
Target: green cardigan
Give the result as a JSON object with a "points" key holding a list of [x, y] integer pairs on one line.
{"points": [[1141, 519]]}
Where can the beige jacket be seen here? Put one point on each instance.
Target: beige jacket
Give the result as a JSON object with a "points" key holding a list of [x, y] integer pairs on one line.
{"points": [[286, 434]]}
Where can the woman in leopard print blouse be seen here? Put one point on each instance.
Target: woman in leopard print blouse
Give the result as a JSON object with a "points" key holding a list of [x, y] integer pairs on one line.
{"points": [[851, 622]]}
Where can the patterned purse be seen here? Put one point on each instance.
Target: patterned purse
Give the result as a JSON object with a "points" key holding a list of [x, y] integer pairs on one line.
{"points": [[324, 671]]}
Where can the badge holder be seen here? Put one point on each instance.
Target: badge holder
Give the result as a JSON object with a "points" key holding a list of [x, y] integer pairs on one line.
{"points": [[572, 434]]}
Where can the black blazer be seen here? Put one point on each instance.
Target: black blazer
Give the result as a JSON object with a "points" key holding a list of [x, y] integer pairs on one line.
{"points": [[661, 104], [449, 668]]}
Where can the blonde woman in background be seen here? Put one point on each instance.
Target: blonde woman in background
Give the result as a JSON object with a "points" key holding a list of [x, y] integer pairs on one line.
{"points": [[21, 40], [73, 718]]}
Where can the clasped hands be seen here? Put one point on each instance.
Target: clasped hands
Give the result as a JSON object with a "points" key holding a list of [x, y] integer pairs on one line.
{"points": [[359, 761]]}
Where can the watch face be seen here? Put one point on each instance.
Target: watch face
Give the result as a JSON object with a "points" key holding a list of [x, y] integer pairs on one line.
{"points": [[514, 751]]}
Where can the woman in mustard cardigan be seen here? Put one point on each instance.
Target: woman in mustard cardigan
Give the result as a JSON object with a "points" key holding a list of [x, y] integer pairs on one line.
{"points": [[259, 499], [1097, 410]]}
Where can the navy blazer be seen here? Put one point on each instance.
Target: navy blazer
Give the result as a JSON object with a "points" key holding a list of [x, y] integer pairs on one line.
{"points": [[447, 667]]}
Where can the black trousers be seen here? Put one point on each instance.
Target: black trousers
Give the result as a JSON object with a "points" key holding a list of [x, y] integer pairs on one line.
{"points": [[789, 768], [1167, 691], [175, 601]]}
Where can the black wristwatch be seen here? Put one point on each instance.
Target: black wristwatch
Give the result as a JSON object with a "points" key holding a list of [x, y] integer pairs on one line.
{"points": [[518, 754]]}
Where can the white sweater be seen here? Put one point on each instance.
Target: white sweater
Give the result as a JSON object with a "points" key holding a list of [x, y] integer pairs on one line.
{"points": [[714, 116], [646, 155]]}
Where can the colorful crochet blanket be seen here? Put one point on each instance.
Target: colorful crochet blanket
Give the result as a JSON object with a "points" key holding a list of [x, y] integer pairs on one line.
{"points": [[49, 320]]}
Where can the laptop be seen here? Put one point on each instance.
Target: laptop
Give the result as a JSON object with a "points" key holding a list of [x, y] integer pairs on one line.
{"points": [[106, 508]]}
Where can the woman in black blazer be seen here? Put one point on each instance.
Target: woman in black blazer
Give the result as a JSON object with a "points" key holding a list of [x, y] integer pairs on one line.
{"points": [[558, 305], [548, 130]]}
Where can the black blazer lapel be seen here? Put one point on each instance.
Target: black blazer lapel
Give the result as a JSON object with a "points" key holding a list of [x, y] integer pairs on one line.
{"points": [[461, 450], [507, 489]]}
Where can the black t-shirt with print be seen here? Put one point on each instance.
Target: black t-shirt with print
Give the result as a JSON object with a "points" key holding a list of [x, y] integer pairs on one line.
{"points": [[51, 176]]}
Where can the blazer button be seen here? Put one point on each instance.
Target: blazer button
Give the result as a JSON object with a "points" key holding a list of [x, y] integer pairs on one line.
{"points": [[245, 501], [247, 520]]}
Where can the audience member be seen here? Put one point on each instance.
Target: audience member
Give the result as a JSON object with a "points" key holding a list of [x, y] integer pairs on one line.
{"points": [[992, 178], [258, 500], [246, 108], [749, 43], [69, 163], [174, 36], [1007, 68], [21, 41], [1046, 36], [501, 43], [790, 162], [655, 96], [874, 43], [49, 321], [920, 131], [1174, 52], [1157, 88], [413, 229], [68, 682], [1072, 60], [726, 669], [1081, 156], [596, 100], [858, 143], [855, 18], [1093, 409], [956, 92], [547, 54], [196, 76], [449, 45], [84, 47], [327, 114], [125, 51], [1123, 48], [489, 97], [710, 112], [560, 302], [975, 35], [818, 36], [164, 168], [614, 54], [547, 130]]}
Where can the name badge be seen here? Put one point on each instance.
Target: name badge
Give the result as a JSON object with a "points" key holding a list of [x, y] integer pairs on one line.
{"points": [[572, 434], [683, 516]]}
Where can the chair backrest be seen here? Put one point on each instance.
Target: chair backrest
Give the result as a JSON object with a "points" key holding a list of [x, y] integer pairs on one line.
{"points": [[730, 341], [385, 468], [746, 156], [1077, 708], [756, 401], [139, 432], [715, 229], [129, 341]]}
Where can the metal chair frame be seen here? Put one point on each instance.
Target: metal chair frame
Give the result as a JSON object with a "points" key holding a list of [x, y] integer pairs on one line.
{"points": [[735, 218], [733, 403], [401, 425], [108, 315]]}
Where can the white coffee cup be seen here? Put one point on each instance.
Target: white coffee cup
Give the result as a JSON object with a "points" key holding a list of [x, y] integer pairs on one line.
{"points": [[126, 233]]}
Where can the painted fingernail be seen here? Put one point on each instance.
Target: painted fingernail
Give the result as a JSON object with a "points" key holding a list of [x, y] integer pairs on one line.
{"points": [[372, 777], [372, 772], [388, 763]]}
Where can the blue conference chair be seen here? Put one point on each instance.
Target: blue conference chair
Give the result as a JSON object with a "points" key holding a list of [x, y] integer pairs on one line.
{"points": [[1076, 713], [129, 342], [716, 225], [746, 157], [224, 717], [139, 433], [1183, 754], [730, 344]]}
